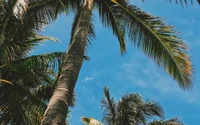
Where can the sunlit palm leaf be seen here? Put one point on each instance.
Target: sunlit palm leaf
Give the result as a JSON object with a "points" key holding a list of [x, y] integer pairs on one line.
{"points": [[5, 81], [90, 121], [158, 41]]}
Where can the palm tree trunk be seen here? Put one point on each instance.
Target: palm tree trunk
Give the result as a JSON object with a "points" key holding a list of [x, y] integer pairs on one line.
{"points": [[56, 111]]}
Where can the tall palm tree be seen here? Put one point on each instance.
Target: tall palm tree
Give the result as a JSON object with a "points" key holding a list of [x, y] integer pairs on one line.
{"points": [[130, 110], [149, 33]]}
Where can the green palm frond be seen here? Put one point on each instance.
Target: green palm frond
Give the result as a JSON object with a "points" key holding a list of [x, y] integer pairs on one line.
{"points": [[38, 38], [109, 107], [48, 10], [45, 91], [17, 37], [25, 74], [183, 1], [19, 106], [90, 121], [131, 109], [111, 18], [173, 121], [153, 109], [30, 70], [158, 41]]}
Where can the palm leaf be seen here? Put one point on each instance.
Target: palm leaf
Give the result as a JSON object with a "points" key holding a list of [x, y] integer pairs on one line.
{"points": [[45, 92], [48, 10], [111, 18], [5, 81], [173, 121], [90, 121], [15, 106], [158, 41], [109, 106], [183, 1]]}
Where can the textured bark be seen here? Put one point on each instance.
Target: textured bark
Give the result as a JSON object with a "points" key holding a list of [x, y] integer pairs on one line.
{"points": [[58, 106]]}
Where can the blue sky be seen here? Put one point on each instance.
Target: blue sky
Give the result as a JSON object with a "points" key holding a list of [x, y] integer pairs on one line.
{"points": [[132, 72]]}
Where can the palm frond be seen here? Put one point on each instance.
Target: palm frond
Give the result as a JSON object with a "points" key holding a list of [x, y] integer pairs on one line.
{"points": [[17, 37], [132, 109], [48, 10], [109, 107], [15, 106], [90, 121], [39, 38], [111, 18], [5, 81], [183, 1], [30, 70], [159, 42], [153, 109], [45, 92], [173, 121]]}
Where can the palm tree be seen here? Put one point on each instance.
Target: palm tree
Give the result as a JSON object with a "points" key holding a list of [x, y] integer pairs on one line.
{"points": [[173, 121], [19, 102], [130, 110], [149, 33]]}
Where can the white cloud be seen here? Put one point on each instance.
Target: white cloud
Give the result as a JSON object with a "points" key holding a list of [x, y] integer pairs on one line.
{"points": [[88, 79], [146, 76]]}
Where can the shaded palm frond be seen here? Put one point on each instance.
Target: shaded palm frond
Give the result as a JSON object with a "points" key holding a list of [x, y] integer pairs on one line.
{"points": [[152, 108], [48, 10], [132, 109], [45, 92], [183, 1], [158, 41], [19, 106], [173, 121], [31, 70], [17, 37], [109, 107], [110, 17]]}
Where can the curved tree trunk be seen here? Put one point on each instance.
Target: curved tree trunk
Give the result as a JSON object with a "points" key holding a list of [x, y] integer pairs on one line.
{"points": [[56, 111]]}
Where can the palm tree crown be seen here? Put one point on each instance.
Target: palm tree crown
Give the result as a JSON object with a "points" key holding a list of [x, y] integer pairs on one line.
{"points": [[131, 109]]}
